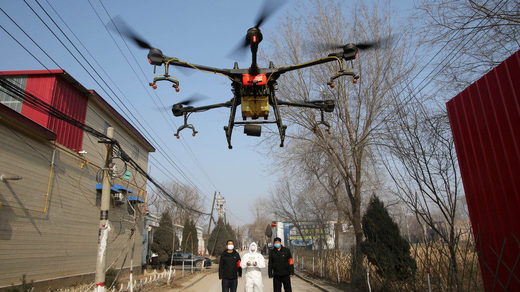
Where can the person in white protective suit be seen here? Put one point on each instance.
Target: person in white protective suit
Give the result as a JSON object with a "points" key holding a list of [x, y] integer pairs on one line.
{"points": [[251, 264]]}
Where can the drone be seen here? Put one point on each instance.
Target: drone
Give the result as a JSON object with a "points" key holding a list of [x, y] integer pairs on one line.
{"points": [[253, 88]]}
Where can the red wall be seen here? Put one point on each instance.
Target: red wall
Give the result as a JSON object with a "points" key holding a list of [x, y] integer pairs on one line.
{"points": [[42, 87], [485, 122], [67, 99]]}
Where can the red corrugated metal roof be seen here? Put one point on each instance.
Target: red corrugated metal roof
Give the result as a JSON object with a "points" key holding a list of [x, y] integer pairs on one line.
{"points": [[485, 121]]}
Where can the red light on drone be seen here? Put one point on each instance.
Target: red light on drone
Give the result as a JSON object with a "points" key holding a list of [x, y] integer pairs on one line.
{"points": [[149, 60], [254, 39], [355, 57]]}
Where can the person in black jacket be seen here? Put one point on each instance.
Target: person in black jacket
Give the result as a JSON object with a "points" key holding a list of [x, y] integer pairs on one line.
{"points": [[229, 269], [281, 266]]}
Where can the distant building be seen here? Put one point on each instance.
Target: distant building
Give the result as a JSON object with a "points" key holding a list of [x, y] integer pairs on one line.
{"points": [[150, 223], [200, 237], [310, 234], [49, 195]]}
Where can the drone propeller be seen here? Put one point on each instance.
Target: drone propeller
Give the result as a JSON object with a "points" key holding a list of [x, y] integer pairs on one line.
{"points": [[268, 9], [193, 98], [360, 46], [117, 24]]}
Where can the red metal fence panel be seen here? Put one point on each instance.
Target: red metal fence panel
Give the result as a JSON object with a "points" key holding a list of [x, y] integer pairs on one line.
{"points": [[67, 99], [485, 122], [42, 87]]}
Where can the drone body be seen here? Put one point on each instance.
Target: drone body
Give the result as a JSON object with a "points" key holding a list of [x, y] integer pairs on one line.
{"points": [[253, 88]]}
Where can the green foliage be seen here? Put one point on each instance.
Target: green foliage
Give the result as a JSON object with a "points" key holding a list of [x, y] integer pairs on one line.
{"points": [[189, 237], [163, 243], [25, 287], [219, 236], [111, 278], [384, 246]]}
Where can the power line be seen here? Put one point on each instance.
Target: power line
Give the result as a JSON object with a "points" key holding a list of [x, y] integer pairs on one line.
{"points": [[16, 92], [186, 147], [116, 96], [413, 95], [34, 42], [40, 62], [23, 47]]}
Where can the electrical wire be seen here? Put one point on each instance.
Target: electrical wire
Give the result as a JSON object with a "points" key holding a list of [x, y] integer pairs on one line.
{"points": [[28, 36], [151, 137], [413, 94], [29, 52], [139, 79], [39, 105]]}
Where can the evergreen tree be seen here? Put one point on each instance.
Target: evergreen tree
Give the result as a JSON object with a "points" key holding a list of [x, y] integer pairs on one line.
{"points": [[384, 246], [163, 243], [219, 236], [189, 237]]}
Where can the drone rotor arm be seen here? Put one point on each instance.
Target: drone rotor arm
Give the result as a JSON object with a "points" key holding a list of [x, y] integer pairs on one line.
{"points": [[324, 105], [179, 110], [208, 107], [327, 59], [203, 68]]}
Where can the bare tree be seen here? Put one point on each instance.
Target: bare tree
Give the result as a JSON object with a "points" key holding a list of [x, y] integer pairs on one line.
{"points": [[262, 220], [187, 199], [286, 204], [360, 107], [422, 164], [476, 35]]}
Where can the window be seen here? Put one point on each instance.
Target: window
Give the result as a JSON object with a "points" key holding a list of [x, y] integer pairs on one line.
{"points": [[6, 97]]}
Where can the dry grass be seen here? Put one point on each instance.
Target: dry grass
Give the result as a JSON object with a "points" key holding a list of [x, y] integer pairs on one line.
{"points": [[432, 260]]}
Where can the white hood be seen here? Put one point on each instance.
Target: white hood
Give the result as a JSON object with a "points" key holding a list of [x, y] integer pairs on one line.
{"points": [[251, 246]]}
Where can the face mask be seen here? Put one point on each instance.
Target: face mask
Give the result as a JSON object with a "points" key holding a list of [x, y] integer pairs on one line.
{"points": [[253, 248], [277, 245], [230, 247]]}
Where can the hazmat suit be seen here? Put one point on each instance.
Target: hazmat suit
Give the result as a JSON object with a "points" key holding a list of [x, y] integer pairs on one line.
{"points": [[251, 264]]}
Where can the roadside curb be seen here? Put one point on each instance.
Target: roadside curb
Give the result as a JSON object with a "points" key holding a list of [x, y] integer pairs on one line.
{"points": [[310, 282]]}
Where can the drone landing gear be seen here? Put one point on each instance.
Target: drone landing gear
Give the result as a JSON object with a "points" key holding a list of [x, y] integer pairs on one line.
{"points": [[346, 72], [165, 78], [186, 125], [322, 122], [229, 128], [281, 127]]}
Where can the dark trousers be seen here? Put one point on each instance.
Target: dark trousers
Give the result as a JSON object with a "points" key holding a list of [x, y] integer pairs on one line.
{"points": [[279, 280], [229, 285]]}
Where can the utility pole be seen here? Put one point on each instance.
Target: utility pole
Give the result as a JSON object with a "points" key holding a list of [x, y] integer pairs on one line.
{"points": [[104, 226], [209, 225]]}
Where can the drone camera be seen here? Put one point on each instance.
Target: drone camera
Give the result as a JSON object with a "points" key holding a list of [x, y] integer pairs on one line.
{"points": [[253, 130]]}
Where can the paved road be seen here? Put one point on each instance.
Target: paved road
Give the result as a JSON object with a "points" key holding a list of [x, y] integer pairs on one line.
{"points": [[211, 283]]}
